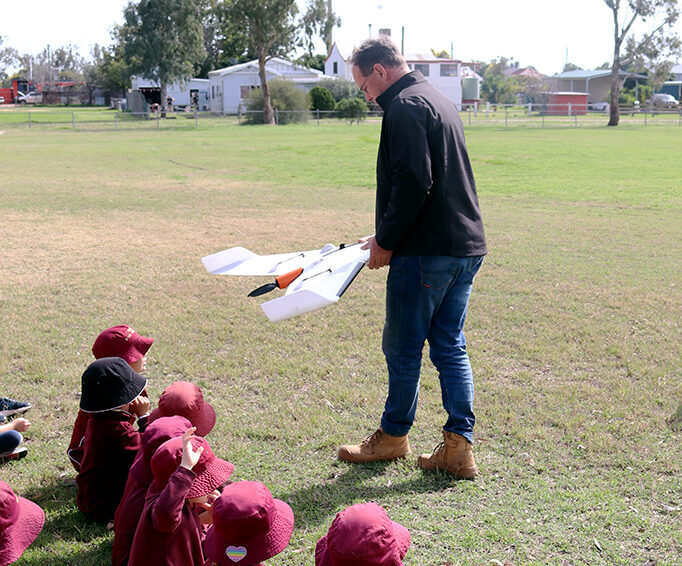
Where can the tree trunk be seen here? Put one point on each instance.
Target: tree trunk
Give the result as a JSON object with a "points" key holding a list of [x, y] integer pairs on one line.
{"points": [[614, 114], [164, 95], [268, 113]]}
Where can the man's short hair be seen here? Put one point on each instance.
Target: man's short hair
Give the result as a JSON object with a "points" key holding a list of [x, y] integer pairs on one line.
{"points": [[376, 50]]}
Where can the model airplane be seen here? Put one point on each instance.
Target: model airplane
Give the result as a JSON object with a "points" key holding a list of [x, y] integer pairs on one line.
{"points": [[313, 279]]}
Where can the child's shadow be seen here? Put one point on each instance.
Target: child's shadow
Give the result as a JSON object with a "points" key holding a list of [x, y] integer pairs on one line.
{"points": [[355, 484], [67, 527]]}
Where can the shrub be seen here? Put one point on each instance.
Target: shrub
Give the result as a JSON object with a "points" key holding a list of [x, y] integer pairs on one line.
{"points": [[285, 97], [351, 109], [321, 99], [340, 88]]}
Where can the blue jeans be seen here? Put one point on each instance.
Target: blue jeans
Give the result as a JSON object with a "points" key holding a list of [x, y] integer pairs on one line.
{"points": [[426, 299], [9, 441]]}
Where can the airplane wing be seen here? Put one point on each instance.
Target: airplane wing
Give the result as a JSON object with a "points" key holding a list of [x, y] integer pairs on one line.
{"points": [[326, 274]]}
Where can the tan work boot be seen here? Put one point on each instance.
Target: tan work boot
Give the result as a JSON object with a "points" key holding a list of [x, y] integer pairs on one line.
{"points": [[377, 446], [454, 455]]}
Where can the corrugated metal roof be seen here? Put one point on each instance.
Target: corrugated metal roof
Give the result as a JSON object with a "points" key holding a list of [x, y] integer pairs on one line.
{"points": [[581, 75]]}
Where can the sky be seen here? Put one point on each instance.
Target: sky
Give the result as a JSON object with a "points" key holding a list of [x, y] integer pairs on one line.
{"points": [[542, 33]]}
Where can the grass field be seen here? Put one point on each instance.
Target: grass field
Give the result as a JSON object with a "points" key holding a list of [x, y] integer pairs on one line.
{"points": [[573, 330]]}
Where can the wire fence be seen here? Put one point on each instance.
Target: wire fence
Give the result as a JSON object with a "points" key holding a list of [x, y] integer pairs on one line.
{"points": [[564, 115]]}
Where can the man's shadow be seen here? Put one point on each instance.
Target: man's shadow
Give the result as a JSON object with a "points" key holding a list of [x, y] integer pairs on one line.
{"points": [[351, 483]]}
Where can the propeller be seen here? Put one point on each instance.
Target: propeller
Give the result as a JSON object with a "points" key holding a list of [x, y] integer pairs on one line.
{"points": [[281, 282]]}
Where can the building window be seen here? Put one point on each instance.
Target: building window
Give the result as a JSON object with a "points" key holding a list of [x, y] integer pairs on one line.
{"points": [[423, 68], [212, 91], [336, 68], [448, 70]]}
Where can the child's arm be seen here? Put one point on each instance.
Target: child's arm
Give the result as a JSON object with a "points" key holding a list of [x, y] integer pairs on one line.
{"points": [[20, 425], [167, 509]]}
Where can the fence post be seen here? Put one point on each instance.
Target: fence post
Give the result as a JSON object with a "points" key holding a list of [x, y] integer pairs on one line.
{"points": [[506, 115], [575, 118], [239, 113], [157, 119], [645, 114], [318, 116], [116, 121], [196, 118], [679, 120], [29, 120], [530, 106], [487, 109], [469, 114], [73, 120]]}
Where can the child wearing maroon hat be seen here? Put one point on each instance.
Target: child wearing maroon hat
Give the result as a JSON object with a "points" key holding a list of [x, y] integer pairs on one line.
{"points": [[21, 521], [116, 342], [249, 525], [187, 400], [140, 477], [363, 535], [111, 395], [187, 479]]}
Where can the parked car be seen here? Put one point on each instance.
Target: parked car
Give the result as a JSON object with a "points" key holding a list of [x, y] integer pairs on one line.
{"points": [[663, 100], [599, 106], [29, 98]]}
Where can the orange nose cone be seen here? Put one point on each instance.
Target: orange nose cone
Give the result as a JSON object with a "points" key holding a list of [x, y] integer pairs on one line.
{"points": [[283, 281]]}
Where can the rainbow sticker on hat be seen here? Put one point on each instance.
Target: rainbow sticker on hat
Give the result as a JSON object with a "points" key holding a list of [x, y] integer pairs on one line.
{"points": [[235, 553]]}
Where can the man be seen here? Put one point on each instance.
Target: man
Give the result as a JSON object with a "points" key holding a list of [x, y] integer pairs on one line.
{"points": [[429, 229]]}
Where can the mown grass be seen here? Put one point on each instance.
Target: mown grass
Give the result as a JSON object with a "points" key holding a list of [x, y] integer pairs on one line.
{"points": [[574, 330]]}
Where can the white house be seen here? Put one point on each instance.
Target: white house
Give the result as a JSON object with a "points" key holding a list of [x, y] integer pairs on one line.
{"points": [[194, 91], [230, 87], [444, 74], [336, 65]]}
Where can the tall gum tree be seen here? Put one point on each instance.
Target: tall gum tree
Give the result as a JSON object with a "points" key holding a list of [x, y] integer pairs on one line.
{"points": [[275, 29], [625, 14]]}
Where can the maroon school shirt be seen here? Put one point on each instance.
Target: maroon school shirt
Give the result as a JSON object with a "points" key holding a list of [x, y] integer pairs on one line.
{"points": [[110, 445], [75, 449], [169, 532]]}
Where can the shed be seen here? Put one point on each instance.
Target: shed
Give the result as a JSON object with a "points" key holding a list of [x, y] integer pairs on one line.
{"points": [[565, 103]]}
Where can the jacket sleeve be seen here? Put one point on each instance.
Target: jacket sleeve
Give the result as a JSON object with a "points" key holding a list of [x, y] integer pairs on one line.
{"points": [[410, 163], [167, 509]]}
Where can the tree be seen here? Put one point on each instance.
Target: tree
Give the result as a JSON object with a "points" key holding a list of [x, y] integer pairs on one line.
{"points": [[163, 40], [497, 88], [341, 88], [571, 67], [274, 30], [8, 58], [650, 46]]}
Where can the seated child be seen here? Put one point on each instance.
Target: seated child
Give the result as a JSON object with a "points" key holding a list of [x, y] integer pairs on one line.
{"points": [[10, 439], [111, 395], [115, 342], [249, 525], [187, 400], [187, 479], [363, 535], [128, 513], [21, 521]]}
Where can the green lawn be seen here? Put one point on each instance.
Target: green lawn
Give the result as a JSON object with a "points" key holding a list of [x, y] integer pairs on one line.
{"points": [[573, 330]]}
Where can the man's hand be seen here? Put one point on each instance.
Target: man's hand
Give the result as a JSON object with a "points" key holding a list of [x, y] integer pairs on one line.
{"points": [[378, 256]]}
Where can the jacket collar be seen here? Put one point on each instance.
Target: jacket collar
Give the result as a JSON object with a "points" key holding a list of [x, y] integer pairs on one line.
{"points": [[384, 99]]}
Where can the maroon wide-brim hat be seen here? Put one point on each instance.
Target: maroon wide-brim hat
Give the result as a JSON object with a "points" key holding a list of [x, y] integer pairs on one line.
{"points": [[363, 534], [187, 400], [21, 521], [121, 342], [249, 525], [211, 472]]}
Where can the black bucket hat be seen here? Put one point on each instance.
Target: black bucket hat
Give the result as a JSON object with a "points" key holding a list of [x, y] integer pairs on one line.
{"points": [[109, 383]]}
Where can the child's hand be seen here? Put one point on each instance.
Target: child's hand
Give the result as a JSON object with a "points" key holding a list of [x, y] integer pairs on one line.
{"points": [[21, 425], [140, 406], [190, 456]]}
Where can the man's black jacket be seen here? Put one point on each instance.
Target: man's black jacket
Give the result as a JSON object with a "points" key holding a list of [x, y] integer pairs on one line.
{"points": [[426, 202]]}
